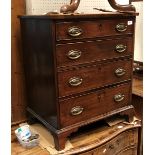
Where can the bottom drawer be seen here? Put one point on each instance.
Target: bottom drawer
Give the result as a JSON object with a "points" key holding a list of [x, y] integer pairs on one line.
{"points": [[81, 108], [123, 144]]}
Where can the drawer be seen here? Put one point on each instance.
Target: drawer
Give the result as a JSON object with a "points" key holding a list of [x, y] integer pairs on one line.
{"points": [[86, 52], [123, 144], [100, 151], [93, 29], [86, 106], [78, 80]]}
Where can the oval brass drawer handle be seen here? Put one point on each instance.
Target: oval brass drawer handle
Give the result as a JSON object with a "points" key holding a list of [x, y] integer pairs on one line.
{"points": [[120, 72], [75, 81], [119, 97], [76, 110], [121, 27], [74, 54], [120, 48], [74, 31]]}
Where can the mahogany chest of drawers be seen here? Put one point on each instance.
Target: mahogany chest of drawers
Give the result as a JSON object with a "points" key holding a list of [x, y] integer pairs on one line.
{"points": [[78, 69]]}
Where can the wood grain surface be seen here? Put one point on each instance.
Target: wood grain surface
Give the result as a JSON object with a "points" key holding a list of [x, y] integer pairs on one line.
{"points": [[18, 99]]}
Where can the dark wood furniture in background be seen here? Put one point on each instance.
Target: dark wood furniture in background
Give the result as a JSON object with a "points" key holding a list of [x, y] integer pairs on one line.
{"points": [[137, 99], [78, 69], [18, 96]]}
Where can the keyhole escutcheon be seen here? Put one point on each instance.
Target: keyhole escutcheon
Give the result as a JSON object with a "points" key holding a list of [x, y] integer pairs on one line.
{"points": [[100, 27]]}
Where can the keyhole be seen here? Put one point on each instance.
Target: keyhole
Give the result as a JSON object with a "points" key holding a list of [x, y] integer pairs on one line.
{"points": [[100, 26]]}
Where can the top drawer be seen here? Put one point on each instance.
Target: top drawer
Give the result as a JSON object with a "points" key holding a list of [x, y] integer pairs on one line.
{"points": [[93, 29]]}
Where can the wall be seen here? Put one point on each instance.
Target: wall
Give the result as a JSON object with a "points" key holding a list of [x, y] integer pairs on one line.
{"points": [[138, 53]]}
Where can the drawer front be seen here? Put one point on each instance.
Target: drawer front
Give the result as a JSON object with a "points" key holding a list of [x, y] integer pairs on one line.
{"points": [[84, 52], [86, 78], [84, 107], [93, 29], [123, 144], [100, 151]]}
